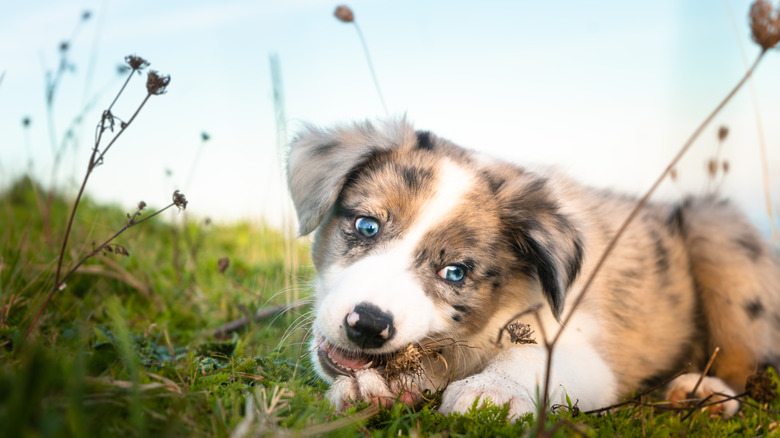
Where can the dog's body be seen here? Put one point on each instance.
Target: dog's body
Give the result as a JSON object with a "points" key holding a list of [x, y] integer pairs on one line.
{"points": [[419, 241]]}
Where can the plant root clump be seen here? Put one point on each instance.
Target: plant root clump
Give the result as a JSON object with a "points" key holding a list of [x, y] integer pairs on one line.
{"points": [[408, 360]]}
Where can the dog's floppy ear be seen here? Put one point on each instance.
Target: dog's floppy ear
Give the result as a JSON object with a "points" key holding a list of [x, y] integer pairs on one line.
{"points": [[320, 161], [546, 241]]}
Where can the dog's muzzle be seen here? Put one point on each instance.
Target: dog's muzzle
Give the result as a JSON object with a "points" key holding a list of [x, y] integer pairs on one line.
{"points": [[367, 326]]}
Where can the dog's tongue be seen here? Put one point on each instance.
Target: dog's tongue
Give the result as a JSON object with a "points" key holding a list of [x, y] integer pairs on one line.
{"points": [[356, 363]]}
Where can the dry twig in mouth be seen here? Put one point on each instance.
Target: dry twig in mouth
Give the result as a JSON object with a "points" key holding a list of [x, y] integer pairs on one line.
{"points": [[408, 360]]}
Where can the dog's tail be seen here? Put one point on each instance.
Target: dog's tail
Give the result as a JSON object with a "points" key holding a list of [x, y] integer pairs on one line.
{"points": [[737, 278]]}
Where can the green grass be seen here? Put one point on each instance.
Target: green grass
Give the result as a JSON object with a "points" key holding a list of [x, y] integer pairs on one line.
{"points": [[127, 348]]}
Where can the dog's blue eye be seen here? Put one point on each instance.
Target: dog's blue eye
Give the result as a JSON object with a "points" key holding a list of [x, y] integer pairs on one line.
{"points": [[366, 226], [452, 273]]}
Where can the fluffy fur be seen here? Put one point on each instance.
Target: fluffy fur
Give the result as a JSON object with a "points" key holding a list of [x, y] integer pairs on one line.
{"points": [[418, 241]]}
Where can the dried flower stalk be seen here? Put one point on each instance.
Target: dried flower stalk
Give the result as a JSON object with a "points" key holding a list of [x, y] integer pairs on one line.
{"points": [[156, 85], [344, 14]]}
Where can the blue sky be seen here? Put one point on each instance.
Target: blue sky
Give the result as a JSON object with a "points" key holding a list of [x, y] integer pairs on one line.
{"points": [[607, 91]]}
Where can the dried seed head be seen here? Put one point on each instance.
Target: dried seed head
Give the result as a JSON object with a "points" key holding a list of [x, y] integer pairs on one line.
{"points": [[725, 165], [205, 136], [222, 264], [141, 205], [64, 46], [179, 200], [26, 122], [344, 14], [136, 63], [86, 15], [520, 333], [760, 387], [712, 167], [408, 360], [765, 24], [723, 132], [156, 84]]}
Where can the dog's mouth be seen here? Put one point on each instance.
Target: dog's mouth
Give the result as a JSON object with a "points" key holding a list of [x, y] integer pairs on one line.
{"points": [[337, 361]]}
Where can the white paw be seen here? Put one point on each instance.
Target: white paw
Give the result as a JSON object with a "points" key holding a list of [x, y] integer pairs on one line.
{"points": [[459, 396], [679, 389], [342, 393], [367, 385]]}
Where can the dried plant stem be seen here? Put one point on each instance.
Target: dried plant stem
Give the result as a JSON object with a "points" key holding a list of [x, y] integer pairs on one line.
{"points": [[760, 131], [99, 159], [637, 399], [291, 262], [93, 162], [241, 287], [95, 159], [52, 85], [234, 326], [752, 405], [706, 370], [765, 173], [59, 284], [613, 242], [371, 68], [130, 76]]}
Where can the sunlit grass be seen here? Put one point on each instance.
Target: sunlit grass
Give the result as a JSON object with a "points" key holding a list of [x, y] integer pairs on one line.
{"points": [[127, 347]]}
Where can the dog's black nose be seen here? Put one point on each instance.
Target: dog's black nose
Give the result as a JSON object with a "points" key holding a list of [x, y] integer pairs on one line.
{"points": [[368, 326]]}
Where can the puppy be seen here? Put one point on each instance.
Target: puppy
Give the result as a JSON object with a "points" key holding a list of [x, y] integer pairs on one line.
{"points": [[423, 246]]}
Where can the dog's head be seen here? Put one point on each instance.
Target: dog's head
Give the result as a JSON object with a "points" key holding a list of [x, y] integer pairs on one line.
{"points": [[417, 239]]}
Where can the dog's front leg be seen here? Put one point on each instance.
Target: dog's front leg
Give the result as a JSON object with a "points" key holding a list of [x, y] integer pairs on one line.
{"points": [[516, 377], [371, 386]]}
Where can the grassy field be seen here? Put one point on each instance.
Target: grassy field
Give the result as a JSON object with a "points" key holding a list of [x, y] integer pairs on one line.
{"points": [[128, 347]]}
